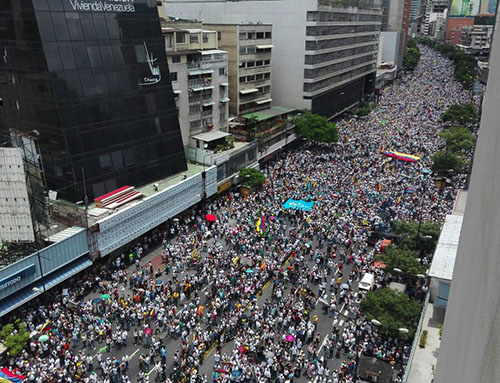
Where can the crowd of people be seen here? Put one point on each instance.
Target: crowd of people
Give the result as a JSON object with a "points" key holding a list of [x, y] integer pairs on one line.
{"points": [[248, 300]]}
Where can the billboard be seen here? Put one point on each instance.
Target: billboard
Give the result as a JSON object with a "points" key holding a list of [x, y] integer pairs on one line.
{"points": [[15, 215], [472, 8], [464, 8]]}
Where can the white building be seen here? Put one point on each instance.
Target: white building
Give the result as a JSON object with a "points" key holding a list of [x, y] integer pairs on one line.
{"points": [[324, 52], [198, 70], [476, 38], [470, 345]]}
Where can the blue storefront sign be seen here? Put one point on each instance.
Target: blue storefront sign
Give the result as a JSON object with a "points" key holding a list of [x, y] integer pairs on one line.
{"points": [[17, 277]]}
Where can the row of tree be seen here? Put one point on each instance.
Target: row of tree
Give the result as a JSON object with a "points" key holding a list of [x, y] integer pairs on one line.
{"points": [[459, 140], [465, 64], [412, 56]]}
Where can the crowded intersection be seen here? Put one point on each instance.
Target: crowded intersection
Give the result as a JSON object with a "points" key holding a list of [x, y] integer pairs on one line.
{"points": [[259, 293]]}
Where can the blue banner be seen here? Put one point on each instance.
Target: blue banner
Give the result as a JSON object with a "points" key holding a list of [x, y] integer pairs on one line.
{"points": [[298, 204], [17, 277]]}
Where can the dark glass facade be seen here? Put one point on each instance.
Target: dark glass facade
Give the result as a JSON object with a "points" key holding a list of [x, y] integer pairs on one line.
{"points": [[92, 78]]}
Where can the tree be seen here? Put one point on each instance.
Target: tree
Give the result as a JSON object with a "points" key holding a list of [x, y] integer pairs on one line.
{"points": [[393, 309], [408, 231], [458, 138], [252, 177], [404, 260], [411, 59], [14, 337], [317, 128], [460, 114], [444, 160]]}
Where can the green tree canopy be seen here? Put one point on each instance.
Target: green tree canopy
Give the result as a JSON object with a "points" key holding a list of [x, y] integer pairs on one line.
{"points": [[14, 337], [460, 114], [252, 177], [444, 160], [458, 138], [317, 128], [404, 260], [429, 235], [393, 309], [411, 58]]}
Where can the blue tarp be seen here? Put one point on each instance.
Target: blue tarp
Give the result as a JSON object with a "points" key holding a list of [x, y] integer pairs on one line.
{"points": [[298, 204]]}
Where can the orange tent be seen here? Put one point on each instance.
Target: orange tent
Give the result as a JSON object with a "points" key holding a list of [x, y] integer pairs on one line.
{"points": [[385, 244]]}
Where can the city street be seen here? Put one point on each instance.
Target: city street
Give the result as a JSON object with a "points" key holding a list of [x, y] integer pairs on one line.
{"points": [[256, 292]]}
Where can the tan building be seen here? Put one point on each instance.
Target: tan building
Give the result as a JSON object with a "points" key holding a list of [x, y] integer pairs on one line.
{"points": [[249, 48], [198, 71]]}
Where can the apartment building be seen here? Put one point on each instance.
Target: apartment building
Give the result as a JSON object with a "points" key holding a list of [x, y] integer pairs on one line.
{"points": [[249, 48], [324, 52], [199, 75], [476, 39]]}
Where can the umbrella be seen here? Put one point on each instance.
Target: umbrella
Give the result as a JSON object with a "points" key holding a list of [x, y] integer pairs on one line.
{"points": [[210, 218], [105, 296], [43, 338], [148, 331], [159, 282], [344, 286], [249, 271], [379, 264], [289, 338], [242, 349], [236, 373], [96, 300]]}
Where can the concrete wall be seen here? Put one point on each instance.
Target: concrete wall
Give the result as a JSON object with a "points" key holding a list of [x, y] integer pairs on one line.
{"points": [[471, 340], [389, 47]]}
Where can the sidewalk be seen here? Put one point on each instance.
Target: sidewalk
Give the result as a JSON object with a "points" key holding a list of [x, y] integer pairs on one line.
{"points": [[421, 370]]}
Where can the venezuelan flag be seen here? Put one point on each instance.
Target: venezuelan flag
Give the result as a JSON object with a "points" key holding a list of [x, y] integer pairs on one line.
{"points": [[402, 156], [7, 376], [47, 327]]}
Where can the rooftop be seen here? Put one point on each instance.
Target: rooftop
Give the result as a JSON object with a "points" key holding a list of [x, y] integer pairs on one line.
{"points": [[443, 261], [267, 114]]}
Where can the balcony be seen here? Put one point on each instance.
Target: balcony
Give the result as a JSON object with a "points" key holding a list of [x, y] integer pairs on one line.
{"points": [[200, 84]]}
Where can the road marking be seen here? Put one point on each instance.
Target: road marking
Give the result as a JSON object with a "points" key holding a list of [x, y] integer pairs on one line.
{"points": [[341, 323], [150, 372], [346, 313], [206, 287], [324, 342], [342, 308], [133, 354]]}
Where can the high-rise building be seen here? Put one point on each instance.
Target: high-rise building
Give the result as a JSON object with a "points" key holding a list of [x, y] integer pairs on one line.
{"points": [[324, 52], [471, 338], [92, 78]]}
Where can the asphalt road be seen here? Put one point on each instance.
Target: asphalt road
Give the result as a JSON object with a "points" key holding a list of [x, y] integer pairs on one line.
{"points": [[324, 326]]}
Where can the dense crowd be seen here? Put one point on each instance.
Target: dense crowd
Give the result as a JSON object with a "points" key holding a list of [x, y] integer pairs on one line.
{"points": [[214, 301]]}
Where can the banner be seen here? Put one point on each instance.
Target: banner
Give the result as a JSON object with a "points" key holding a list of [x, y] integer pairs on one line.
{"points": [[298, 204]]}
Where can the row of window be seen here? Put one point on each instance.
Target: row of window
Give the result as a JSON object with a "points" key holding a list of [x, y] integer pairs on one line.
{"points": [[335, 43], [255, 77], [318, 72], [251, 64], [252, 49], [326, 57], [254, 35], [340, 29], [311, 87], [338, 16]]}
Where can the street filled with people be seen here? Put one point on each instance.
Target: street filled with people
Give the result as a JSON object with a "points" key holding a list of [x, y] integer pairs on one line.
{"points": [[248, 291]]}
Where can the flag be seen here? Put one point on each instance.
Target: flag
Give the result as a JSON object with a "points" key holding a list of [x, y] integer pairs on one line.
{"points": [[308, 219], [259, 223], [398, 201], [8, 376], [263, 265], [152, 312], [47, 327], [379, 187]]}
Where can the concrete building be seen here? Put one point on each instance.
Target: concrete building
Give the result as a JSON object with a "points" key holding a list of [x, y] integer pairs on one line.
{"points": [[198, 70], [324, 54], [249, 48], [476, 39], [471, 339]]}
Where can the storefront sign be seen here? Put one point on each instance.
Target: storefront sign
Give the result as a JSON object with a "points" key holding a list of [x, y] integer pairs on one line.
{"points": [[155, 76], [103, 5], [17, 277]]}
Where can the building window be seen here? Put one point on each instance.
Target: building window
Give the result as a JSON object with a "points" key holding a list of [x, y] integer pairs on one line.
{"points": [[205, 38], [259, 63], [222, 116], [173, 76], [180, 38], [194, 109], [242, 79], [267, 76], [243, 64], [176, 59], [243, 36], [260, 35], [250, 64], [219, 36], [222, 71], [267, 62], [267, 35], [243, 51], [251, 49], [193, 39], [251, 35], [168, 41]]}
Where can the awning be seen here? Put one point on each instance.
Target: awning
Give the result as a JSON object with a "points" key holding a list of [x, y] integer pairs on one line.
{"points": [[208, 103], [211, 136], [265, 46], [66, 233], [259, 102], [251, 90], [25, 295], [224, 84], [195, 72], [224, 99], [198, 88]]}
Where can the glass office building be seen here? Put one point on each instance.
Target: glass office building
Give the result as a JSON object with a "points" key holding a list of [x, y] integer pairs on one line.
{"points": [[91, 77]]}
